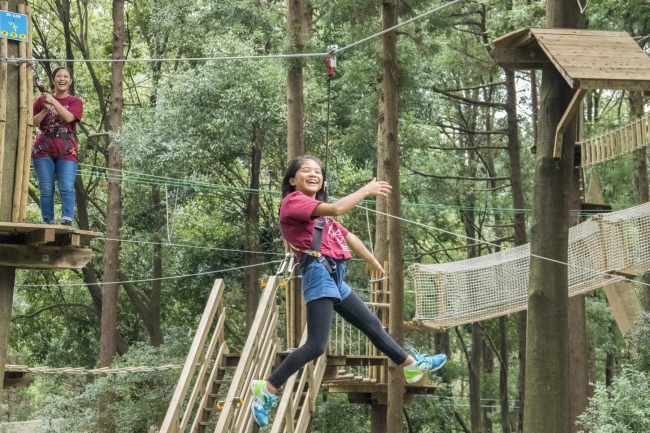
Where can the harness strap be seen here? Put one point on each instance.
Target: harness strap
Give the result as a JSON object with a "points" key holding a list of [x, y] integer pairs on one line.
{"points": [[45, 146], [314, 251]]}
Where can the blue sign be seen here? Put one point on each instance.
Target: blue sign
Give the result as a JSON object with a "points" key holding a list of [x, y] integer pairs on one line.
{"points": [[13, 26]]}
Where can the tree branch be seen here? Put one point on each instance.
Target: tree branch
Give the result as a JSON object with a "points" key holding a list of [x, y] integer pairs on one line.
{"points": [[50, 307], [466, 148], [435, 176], [471, 131], [461, 422], [479, 86], [468, 100]]}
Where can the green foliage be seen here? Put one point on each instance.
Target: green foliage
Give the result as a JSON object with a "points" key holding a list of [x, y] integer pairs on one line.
{"points": [[140, 399], [623, 407]]}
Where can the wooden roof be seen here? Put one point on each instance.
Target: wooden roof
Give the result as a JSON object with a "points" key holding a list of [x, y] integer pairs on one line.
{"points": [[588, 59]]}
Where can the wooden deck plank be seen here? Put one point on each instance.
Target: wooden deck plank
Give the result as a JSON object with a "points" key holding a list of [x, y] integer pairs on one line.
{"points": [[6, 227]]}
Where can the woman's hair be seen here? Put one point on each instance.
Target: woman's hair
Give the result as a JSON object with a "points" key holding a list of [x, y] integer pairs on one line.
{"points": [[57, 69], [292, 169]]}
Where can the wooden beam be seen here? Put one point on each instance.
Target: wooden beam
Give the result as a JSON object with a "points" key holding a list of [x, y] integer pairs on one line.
{"points": [[638, 85], [44, 257], [40, 237], [68, 240], [532, 55], [625, 305], [568, 116]]}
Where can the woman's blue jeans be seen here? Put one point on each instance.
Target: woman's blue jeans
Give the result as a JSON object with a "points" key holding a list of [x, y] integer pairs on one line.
{"points": [[65, 173]]}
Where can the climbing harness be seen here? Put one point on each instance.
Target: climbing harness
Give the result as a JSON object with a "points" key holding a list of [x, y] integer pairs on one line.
{"points": [[313, 253], [46, 145]]}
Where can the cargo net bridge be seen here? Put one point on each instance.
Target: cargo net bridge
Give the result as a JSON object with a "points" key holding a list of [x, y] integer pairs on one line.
{"points": [[603, 251]]}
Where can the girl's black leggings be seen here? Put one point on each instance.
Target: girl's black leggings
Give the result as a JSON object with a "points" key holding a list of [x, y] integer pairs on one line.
{"points": [[319, 320]]}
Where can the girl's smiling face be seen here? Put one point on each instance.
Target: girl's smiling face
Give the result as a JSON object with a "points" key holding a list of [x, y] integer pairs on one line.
{"points": [[308, 179]]}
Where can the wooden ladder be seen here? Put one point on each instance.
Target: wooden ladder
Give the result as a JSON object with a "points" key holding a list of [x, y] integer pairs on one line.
{"points": [[298, 399]]}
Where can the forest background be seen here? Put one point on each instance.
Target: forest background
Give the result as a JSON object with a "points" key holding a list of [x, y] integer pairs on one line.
{"points": [[204, 146]]}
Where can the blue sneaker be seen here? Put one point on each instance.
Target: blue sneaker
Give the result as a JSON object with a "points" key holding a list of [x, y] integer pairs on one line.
{"points": [[424, 364], [262, 402]]}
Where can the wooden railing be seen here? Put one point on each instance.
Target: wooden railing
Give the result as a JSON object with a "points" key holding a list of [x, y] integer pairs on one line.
{"points": [[609, 145], [177, 420], [346, 340], [255, 363]]}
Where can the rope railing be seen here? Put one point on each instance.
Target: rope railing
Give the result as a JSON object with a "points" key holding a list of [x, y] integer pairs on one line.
{"points": [[14, 368]]}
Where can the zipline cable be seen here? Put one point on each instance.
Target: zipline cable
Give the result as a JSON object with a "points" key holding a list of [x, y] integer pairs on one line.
{"points": [[245, 57]]}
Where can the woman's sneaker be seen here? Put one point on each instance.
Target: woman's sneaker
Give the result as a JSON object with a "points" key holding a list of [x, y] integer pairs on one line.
{"points": [[263, 402], [423, 364]]}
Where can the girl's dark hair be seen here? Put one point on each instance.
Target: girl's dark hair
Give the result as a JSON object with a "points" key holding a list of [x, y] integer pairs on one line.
{"points": [[57, 69], [293, 167]]}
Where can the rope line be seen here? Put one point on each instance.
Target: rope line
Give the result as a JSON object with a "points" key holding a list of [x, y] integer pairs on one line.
{"points": [[150, 279], [190, 246], [178, 182], [19, 60], [93, 371]]}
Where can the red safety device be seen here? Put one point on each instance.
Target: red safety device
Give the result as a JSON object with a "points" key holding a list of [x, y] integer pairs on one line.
{"points": [[331, 59]]}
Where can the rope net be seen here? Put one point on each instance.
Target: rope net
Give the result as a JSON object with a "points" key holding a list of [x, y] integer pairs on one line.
{"points": [[602, 250]]}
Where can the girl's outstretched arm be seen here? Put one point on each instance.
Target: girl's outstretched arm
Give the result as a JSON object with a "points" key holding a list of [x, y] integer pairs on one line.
{"points": [[358, 247], [346, 203]]}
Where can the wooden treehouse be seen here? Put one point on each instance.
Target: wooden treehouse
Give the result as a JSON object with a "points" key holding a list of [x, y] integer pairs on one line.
{"points": [[219, 400], [24, 245], [587, 59]]}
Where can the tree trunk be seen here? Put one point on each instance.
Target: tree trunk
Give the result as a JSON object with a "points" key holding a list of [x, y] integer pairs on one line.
{"points": [[114, 203], [476, 356], [395, 255], [488, 368], [252, 275], [579, 352], [152, 323], [503, 374], [298, 26], [519, 217], [88, 271], [113, 213], [547, 406]]}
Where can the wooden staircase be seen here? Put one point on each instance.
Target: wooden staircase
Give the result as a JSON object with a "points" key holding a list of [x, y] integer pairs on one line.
{"points": [[220, 399]]}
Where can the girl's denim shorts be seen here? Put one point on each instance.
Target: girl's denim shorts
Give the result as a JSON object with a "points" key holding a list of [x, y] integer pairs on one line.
{"points": [[318, 283]]}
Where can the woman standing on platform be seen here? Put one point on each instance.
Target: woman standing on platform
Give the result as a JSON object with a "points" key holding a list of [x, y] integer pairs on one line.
{"points": [[303, 213], [54, 154]]}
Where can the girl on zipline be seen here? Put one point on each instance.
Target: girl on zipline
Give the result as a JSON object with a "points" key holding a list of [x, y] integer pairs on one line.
{"points": [[55, 149], [322, 278]]}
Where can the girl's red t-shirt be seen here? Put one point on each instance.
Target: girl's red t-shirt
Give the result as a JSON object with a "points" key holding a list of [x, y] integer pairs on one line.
{"points": [[297, 227], [53, 122]]}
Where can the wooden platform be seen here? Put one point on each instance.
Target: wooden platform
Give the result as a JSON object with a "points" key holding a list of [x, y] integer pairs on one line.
{"points": [[44, 246]]}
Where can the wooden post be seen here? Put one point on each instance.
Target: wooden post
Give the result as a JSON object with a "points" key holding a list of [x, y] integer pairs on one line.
{"points": [[3, 99], [22, 127], [22, 216], [8, 142], [568, 116]]}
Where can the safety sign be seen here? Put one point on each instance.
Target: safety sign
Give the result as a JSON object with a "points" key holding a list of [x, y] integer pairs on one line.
{"points": [[13, 26]]}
